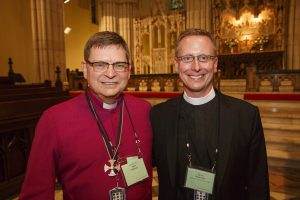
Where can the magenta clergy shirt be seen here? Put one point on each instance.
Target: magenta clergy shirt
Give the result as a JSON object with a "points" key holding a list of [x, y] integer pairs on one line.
{"points": [[68, 146]]}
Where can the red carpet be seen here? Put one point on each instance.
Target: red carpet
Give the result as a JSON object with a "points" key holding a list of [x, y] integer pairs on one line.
{"points": [[272, 96]]}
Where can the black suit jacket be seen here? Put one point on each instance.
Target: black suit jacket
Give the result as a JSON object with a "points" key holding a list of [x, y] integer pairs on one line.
{"points": [[242, 171]]}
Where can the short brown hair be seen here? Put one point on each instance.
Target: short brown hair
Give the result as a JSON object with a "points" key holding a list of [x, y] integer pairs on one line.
{"points": [[103, 39], [194, 32]]}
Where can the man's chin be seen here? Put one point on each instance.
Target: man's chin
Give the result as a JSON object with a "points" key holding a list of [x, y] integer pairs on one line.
{"points": [[112, 95]]}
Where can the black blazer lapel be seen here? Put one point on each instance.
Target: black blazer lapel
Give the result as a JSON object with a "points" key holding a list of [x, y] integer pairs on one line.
{"points": [[225, 139], [171, 142]]}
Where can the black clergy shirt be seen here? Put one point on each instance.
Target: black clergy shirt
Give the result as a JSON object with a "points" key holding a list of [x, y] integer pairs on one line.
{"points": [[198, 125]]}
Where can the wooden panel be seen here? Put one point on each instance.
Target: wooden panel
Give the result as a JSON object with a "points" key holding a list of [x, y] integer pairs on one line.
{"points": [[20, 110]]}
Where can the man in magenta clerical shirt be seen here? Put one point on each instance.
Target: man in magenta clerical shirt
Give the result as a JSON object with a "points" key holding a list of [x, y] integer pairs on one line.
{"points": [[98, 144]]}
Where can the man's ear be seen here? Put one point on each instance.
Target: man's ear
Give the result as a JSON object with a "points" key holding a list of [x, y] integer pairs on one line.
{"points": [[216, 65], [84, 69], [129, 71], [176, 66]]}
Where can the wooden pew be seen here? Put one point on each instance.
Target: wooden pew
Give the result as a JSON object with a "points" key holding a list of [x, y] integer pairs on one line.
{"points": [[32, 94], [20, 110]]}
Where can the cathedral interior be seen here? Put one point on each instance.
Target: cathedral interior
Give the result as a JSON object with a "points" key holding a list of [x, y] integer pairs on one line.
{"points": [[258, 47]]}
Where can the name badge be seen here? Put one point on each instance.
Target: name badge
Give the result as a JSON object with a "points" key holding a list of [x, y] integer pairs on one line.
{"points": [[134, 170], [199, 179]]}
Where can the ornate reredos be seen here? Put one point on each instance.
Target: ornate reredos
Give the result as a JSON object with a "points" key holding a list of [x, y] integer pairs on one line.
{"points": [[249, 25], [154, 40]]}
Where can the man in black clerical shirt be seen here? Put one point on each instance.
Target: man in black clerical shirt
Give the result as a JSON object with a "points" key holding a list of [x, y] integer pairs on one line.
{"points": [[207, 145]]}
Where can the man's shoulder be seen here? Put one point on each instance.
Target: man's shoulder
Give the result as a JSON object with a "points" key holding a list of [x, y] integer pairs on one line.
{"points": [[236, 102], [68, 106], [130, 99], [166, 105]]}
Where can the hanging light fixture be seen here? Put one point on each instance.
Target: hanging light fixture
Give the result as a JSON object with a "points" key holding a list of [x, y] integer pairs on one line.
{"points": [[67, 30]]}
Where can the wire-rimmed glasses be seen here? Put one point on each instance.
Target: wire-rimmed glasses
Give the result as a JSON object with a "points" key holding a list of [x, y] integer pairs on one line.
{"points": [[201, 58], [103, 66]]}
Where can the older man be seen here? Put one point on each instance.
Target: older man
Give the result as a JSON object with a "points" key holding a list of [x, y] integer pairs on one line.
{"points": [[98, 144]]}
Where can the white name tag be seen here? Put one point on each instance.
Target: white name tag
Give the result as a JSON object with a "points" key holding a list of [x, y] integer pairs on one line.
{"points": [[134, 170], [199, 179]]}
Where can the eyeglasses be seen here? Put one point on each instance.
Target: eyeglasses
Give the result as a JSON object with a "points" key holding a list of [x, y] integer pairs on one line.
{"points": [[201, 58], [103, 66]]}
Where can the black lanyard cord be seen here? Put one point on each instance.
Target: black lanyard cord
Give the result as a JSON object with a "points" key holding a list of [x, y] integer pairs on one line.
{"points": [[218, 131], [113, 152], [137, 141]]}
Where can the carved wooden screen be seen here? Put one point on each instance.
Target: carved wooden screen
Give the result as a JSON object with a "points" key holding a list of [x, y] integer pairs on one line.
{"points": [[154, 42]]}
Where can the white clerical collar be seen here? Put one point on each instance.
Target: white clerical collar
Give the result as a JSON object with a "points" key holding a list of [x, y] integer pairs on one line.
{"points": [[109, 106], [201, 100]]}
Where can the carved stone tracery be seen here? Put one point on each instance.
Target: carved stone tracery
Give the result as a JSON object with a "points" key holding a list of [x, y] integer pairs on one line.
{"points": [[249, 25], [249, 33], [154, 41]]}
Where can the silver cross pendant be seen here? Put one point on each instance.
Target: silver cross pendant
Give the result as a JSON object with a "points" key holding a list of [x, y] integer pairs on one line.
{"points": [[113, 168]]}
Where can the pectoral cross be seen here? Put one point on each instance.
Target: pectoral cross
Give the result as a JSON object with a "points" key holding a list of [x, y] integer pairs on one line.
{"points": [[113, 168]]}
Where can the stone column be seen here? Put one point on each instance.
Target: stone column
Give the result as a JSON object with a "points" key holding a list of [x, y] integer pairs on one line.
{"points": [[117, 15], [48, 38], [107, 15], [293, 38], [127, 9], [199, 14]]}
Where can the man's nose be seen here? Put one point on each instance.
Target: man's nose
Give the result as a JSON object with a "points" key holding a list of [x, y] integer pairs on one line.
{"points": [[196, 65], [110, 72]]}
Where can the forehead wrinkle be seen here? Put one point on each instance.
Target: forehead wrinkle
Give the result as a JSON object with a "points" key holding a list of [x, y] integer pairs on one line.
{"points": [[109, 54]]}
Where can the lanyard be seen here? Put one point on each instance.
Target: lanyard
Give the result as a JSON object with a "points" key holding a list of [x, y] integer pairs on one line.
{"points": [[109, 147], [137, 141], [111, 150], [189, 155]]}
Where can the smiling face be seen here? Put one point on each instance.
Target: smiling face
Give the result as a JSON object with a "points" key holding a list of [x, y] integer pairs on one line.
{"points": [[197, 77], [106, 85]]}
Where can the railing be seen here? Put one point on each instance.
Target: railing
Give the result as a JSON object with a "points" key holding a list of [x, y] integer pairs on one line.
{"points": [[274, 81], [257, 81], [141, 82]]}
